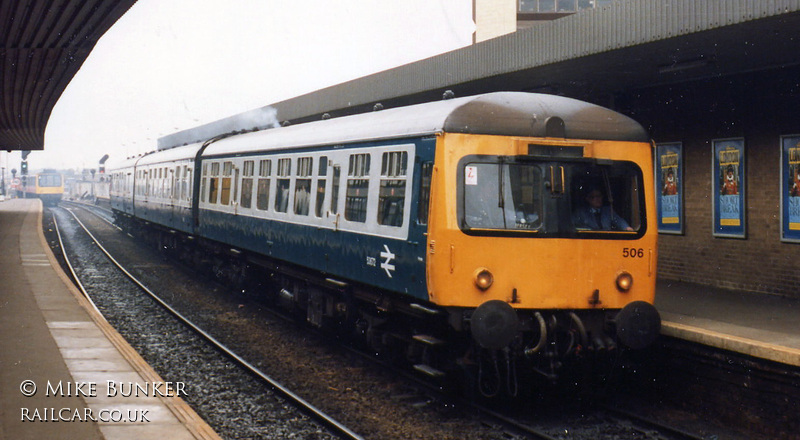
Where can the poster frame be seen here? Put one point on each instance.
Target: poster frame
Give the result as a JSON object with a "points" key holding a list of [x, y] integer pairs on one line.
{"points": [[790, 231], [672, 224], [729, 226]]}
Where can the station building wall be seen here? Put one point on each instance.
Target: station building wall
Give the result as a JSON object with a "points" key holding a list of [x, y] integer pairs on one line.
{"points": [[759, 107]]}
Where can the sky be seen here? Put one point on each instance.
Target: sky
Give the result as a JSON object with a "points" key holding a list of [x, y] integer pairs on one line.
{"points": [[169, 66]]}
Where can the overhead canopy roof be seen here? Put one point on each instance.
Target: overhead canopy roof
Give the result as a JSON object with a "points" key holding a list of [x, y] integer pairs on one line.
{"points": [[591, 55], [43, 43]]}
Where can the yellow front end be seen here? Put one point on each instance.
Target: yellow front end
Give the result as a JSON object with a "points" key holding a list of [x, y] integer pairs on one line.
{"points": [[531, 269], [50, 190]]}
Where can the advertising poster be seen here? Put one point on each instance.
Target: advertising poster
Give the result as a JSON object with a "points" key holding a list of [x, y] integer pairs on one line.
{"points": [[669, 187], [728, 187], [790, 188]]}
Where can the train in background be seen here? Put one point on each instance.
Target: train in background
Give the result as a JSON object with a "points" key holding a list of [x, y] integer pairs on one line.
{"points": [[459, 235], [48, 186]]}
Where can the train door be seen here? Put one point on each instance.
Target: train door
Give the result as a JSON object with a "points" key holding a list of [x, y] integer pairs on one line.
{"points": [[173, 204], [333, 212], [235, 192], [128, 194]]}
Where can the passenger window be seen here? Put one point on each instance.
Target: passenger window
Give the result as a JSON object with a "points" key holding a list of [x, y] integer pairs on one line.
{"points": [[182, 185], [148, 182], [302, 187], [262, 192], [247, 184], [355, 209], [213, 183], [282, 189], [392, 193], [322, 173], [225, 190]]}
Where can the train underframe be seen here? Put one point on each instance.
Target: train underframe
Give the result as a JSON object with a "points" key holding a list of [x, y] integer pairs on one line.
{"points": [[436, 342]]}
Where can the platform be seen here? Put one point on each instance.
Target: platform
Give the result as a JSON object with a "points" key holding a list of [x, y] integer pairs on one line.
{"points": [[57, 354], [756, 324]]}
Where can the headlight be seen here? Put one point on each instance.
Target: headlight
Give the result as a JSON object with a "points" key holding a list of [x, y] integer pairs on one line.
{"points": [[624, 281], [483, 278]]}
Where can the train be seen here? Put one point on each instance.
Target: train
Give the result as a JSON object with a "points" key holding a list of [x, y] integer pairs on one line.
{"points": [[446, 235], [48, 186]]}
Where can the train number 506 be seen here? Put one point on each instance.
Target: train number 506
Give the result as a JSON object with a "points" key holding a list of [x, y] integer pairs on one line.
{"points": [[633, 252]]}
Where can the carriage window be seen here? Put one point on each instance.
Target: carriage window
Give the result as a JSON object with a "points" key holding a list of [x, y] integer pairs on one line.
{"points": [[213, 183], [148, 179], [320, 200], [262, 192], [282, 189], [355, 209], [163, 186], [392, 193], [247, 184], [302, 187], [424, 192], [225, 189]]}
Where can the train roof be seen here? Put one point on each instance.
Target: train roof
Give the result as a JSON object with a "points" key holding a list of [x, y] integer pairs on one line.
{"points": [[500, 113], [178, 153]]}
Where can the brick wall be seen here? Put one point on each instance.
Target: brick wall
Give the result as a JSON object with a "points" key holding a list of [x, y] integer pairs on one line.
{"points": [[760, 108]]}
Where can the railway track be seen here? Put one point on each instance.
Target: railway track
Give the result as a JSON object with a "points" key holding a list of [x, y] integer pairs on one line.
{"points": [[338, 429], [601, 422], [612, 422]]}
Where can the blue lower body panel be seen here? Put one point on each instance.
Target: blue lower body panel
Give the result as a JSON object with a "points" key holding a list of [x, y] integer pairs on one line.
{"points": [[386, 263]]}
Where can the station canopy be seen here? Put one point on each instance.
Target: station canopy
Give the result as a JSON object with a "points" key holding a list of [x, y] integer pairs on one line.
{"points": [[44, 43]]}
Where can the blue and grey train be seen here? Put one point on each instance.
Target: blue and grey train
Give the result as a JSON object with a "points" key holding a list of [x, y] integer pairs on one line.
{"points": [[442, 231]]}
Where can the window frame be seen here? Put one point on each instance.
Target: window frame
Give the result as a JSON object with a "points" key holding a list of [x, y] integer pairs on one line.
{"points": [[550, 207]]}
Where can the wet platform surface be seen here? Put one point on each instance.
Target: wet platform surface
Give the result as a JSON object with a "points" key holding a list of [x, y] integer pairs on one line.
{"points": [[57, 355]]}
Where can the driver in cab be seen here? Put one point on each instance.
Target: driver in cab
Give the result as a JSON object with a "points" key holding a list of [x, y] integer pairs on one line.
{"points": [[594, 214]]}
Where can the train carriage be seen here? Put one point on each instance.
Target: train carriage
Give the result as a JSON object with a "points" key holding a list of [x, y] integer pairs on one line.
{"points": [[156, 188], [334, 208], [121, 191], [502, 226], [48, 186]]}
